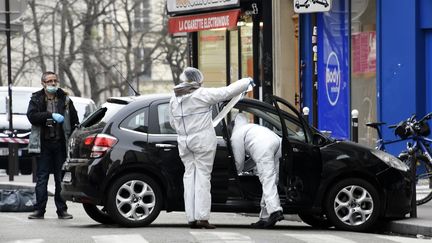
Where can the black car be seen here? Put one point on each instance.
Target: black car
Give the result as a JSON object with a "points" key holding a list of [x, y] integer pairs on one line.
{"points": [[123, 166]]}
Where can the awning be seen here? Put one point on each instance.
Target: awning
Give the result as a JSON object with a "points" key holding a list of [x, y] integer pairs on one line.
{"points": [[192, 23]]}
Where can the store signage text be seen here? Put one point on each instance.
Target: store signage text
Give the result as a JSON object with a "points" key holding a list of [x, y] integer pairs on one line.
{"points": [[333, 82], [192, 23], [175, 6]]}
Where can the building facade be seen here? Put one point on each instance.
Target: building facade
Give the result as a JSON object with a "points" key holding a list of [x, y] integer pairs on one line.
{"points": [[370, 55]]}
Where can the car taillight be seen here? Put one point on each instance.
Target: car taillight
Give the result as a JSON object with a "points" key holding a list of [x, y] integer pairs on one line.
{"points": [[101, 143]]}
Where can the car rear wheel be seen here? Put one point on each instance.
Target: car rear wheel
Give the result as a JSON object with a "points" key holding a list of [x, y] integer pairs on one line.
{"points": [[315, 220], [353, 204], [97, 213], [134, 200]]}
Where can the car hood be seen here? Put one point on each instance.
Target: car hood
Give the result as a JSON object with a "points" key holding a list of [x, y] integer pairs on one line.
{"points": [[350, 155], [20, 122]]}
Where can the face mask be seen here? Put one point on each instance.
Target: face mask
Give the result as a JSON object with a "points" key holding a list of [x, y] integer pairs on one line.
{"points": [[51, 89]]}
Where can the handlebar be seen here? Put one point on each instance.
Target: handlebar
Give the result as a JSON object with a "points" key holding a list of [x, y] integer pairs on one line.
{"points": [[406, 128], [426, 117]]}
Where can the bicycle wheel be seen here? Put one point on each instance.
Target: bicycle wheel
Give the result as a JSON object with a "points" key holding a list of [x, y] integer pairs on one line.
{"points": [[423, 178]]}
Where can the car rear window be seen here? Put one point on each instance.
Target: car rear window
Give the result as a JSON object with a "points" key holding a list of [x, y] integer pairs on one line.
{"points": [[103, 114]]}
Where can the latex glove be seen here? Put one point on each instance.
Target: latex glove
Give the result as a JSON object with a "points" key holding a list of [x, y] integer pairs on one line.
{"points": [[59, 118], [252, 83]]}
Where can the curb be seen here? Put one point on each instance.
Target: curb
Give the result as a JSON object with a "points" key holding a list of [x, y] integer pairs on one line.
{"points": [[409, 228]]}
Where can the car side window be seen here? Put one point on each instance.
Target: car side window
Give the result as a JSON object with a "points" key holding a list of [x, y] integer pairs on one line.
{"points": [[137, 121], [163, 118], [271, 121]]}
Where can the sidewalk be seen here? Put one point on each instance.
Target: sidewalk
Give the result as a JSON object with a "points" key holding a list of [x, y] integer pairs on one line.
{"points": [[420, 226], [24, 182]]}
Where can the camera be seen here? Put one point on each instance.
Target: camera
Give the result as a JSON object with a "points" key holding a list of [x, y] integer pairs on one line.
{"points": [[49, 122]]}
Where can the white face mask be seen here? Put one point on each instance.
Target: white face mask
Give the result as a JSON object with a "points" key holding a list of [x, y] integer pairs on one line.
{"points": [[51, 89]]}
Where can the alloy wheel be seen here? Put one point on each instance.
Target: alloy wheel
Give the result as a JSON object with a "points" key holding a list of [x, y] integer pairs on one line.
{"points": [[135, 200], [353, 205]]}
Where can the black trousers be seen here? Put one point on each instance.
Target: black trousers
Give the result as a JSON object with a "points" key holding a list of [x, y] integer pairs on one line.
{"points": [[52, 157]]}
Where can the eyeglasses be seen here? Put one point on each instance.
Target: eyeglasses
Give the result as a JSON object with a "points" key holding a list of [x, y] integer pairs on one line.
{"points": [[51, 81]]}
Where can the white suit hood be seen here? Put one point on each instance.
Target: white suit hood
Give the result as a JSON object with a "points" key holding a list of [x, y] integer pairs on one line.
{"points": [[247, 138]]}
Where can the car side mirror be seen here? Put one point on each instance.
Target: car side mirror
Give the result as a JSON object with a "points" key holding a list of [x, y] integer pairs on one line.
{"points": [[319, 139]]}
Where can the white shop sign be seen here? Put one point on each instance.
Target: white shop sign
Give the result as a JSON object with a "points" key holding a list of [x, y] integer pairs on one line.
{"points": [[178, 6]]}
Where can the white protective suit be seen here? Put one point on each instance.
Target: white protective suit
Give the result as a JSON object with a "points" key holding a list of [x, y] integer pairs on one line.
{"points": [[264, 147], [191, 116]]}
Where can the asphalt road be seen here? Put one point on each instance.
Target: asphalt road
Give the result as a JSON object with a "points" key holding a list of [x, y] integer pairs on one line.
{"points": [[169, 227]]}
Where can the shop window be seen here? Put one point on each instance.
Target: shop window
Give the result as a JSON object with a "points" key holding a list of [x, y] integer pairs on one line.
{"points": [[246, 50], [363, 66], [234, 55], [212, 57]]}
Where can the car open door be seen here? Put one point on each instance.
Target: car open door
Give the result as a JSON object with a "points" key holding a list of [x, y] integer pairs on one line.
{"points": [[300, 164]]}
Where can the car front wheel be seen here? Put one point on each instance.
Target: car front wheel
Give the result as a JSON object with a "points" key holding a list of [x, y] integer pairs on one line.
{"points": [[97, 213], [353, 204], [315, 220], [134, 200]]}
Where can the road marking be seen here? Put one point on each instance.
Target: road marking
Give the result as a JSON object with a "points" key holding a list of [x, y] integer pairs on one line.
{"points": [[321, 238], [221, 237], [132, 238], [403, 239], [27, 241]]}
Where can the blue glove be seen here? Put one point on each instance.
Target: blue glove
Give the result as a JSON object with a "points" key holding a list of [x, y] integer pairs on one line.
{"points": [[252, 83], [59, 118]]}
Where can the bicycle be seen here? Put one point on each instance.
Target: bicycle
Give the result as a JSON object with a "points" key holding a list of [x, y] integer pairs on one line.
{"points": [[420, 151]]}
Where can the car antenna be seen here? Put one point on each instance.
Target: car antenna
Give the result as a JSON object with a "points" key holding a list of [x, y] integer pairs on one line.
{"points": [[130, 85]]}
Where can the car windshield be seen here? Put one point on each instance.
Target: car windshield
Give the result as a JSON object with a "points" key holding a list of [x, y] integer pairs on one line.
{"points": [[103, 114], [20, 102]]}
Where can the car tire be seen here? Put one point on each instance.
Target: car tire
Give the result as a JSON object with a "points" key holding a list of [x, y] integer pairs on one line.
{"points": [[142, 200], [26, 169], [353, 204], [97, 214], [315, 220]]}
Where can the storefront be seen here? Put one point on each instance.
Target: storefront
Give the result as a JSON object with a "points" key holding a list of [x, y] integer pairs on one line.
{"points": [[227, 40], [373, 56]]}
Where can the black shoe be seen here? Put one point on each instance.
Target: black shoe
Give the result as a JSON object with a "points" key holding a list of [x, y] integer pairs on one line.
{"points": [[36, 215], [193, 225], [274, 217], [64, 215], [259, 224], [204, 224]]}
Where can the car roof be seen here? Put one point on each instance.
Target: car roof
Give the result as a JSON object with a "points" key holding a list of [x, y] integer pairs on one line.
{"points": [[23, 89], [35, 89], [77, 99], [146, 99]]}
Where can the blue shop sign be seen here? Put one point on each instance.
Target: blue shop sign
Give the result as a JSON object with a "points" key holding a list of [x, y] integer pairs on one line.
{"points": [[333, 70]]}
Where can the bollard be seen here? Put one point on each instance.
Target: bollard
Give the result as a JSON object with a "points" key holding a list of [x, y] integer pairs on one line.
{"points": [[413, 168], [13, 161], [306, 113], [354, 125]]}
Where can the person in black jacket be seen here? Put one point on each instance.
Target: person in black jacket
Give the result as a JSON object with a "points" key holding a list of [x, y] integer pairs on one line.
{"points": [[53, 118]]}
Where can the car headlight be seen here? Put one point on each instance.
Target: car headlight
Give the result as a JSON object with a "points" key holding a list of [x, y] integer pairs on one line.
{"points": [[390, 160]]}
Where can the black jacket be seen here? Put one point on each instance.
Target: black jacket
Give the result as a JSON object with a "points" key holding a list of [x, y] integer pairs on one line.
{"points": [[37, 110]]}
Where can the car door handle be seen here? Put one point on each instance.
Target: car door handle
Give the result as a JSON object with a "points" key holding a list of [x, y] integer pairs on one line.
{"points": [[296, 150], [164, 145]]}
